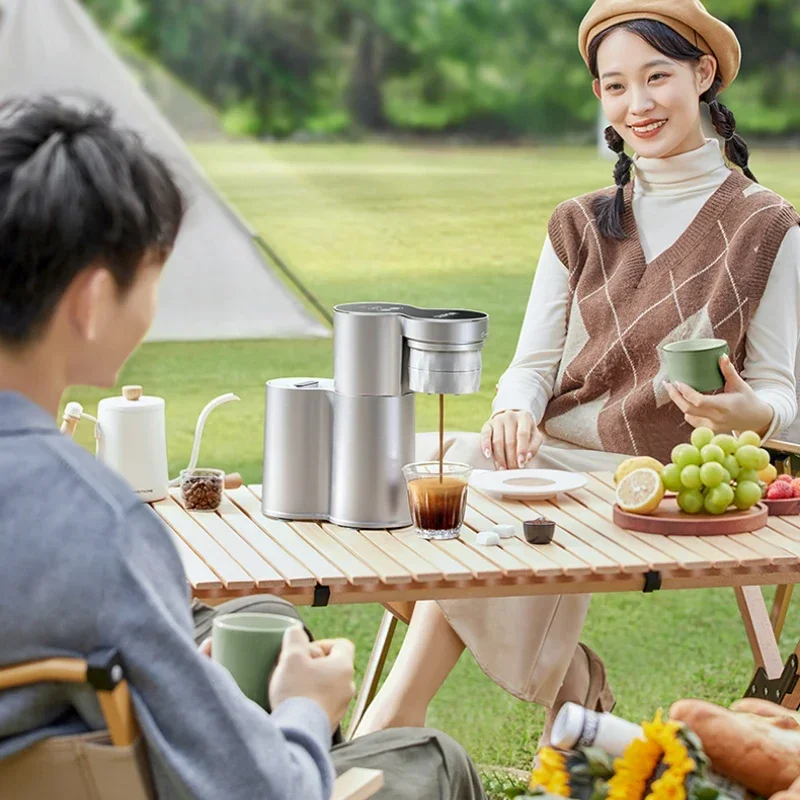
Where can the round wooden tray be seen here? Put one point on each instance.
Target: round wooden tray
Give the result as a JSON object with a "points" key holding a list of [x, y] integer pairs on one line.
{"points": [[788, 507], [669, 520]]}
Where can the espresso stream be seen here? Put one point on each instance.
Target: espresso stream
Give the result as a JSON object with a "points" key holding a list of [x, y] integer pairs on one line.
{"points": [[441, 437]]}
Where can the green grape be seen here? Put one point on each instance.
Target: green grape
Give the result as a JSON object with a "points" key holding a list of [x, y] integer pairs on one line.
{"points": [[691, 501], [712, 452], [718, 499], [712, 474], [763, 456], [728, 444], [671, 478], [747, 495], [684, 455], [726, 476], [749, 457], [732, 465], [690, 477], [702, 436], [749, 438], [747, 476]]}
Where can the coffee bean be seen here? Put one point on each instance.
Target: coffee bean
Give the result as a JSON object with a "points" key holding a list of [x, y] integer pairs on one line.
{"points": [[202, 492]]}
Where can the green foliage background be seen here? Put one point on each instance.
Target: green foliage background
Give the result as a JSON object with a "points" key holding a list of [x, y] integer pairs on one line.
{"points": [[494, 68]]}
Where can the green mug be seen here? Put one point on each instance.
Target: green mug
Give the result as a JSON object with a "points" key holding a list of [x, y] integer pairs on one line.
{"points": [[248, 646], [695, 362]]}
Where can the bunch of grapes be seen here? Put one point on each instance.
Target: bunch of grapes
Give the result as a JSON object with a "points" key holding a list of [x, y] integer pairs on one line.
{"points": [[715, 472]]}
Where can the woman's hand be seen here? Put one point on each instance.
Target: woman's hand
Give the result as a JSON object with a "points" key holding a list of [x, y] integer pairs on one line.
{"points": [[738, 409], [511, 439]]}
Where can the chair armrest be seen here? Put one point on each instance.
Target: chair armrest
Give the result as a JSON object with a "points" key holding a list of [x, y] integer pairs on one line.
{"points": [[103, 671], [357, 784], [783, 446]]}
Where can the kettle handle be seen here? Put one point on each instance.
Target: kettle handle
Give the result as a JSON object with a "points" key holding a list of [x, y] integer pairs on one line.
{"points": [[73, 414]]}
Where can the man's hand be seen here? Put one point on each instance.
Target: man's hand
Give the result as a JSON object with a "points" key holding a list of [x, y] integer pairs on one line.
{"points": [[322, 671]]}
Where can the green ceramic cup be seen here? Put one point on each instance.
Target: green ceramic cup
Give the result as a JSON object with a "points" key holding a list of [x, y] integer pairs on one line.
{"points": [[248, 645], [695, 362]]}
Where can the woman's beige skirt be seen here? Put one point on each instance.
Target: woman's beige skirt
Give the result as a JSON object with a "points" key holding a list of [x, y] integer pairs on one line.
{"points": [[524, 644]]}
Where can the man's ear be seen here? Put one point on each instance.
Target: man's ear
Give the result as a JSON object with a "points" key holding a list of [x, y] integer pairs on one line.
{"points": [[706, 72], [596, 89], [91, 302]]}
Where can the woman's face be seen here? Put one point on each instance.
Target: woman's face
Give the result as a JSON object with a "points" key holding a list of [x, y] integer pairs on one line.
{"points": [[651, 100]]}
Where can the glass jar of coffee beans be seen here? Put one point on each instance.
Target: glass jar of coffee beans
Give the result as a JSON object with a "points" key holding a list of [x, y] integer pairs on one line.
{"points": [[202, 488]]}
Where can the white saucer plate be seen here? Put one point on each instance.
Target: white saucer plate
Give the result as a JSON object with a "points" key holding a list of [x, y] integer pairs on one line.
{"points": [[527, 484]]}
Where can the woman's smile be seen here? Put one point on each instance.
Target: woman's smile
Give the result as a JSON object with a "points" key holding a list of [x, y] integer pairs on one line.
{"points": [[648, 129]]}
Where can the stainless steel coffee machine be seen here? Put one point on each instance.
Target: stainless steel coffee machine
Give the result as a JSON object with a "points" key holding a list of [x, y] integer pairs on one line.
{"points": [[334, 449]]}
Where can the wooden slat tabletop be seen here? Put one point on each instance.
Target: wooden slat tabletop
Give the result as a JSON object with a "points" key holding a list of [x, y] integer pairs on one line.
{"points": [[237, 551]]}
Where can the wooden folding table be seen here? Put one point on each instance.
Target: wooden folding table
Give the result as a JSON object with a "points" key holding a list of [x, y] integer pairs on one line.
{"points": [[237, 551]]}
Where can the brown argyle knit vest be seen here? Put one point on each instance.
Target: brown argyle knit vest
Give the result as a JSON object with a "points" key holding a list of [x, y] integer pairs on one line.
{"points": [[609, 393]]}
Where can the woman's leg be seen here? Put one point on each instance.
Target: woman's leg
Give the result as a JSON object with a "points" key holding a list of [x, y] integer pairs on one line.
{"points": [[427, 656]]}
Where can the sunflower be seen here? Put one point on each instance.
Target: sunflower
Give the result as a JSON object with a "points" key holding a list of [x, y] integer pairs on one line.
{"points": [[662, 745], [551, 776]]}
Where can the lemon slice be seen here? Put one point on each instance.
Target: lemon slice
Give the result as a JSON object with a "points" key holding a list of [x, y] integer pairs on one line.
{"points": [[640, 492], [637, 462]]}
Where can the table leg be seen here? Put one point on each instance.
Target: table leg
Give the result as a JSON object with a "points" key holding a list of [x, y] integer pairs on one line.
{"points": [[780, 608], [372, 676], [760, 633], [402, 609], [792, 698]]}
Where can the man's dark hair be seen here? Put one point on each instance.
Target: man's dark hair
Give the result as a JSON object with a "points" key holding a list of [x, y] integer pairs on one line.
{"points": [[75, 190]]}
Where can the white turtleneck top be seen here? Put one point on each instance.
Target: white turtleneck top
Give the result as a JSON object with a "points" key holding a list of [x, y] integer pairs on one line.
{"points": [[668, 194]]}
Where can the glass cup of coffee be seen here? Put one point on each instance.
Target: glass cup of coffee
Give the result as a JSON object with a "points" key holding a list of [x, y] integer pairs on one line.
{"points": [[437, 497]]}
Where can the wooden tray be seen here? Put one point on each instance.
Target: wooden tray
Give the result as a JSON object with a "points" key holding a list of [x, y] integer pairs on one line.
{"points": [[787, 507], [669, 520]]}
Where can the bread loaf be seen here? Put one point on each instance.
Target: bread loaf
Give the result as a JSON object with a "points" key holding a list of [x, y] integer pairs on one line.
{"points": [[760, 752]]}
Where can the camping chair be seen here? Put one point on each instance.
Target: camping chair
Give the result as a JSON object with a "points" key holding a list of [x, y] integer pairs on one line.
{"points": [[105, 765]]}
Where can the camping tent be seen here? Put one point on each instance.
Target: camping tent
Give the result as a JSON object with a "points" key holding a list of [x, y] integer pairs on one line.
{"points": [[217, 285]]}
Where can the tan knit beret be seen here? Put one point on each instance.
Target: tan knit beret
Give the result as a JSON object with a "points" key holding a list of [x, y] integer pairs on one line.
{"points": [[689, 18]]}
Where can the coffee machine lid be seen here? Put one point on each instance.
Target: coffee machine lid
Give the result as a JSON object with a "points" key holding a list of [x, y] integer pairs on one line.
{"points": [[412, 312], [301, 383]]}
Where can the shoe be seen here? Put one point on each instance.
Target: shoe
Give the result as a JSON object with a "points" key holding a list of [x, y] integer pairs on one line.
{"points": [[599, 695]]}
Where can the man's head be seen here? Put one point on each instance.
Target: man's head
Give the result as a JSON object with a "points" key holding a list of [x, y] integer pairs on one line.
{"points": [[88, 216]]}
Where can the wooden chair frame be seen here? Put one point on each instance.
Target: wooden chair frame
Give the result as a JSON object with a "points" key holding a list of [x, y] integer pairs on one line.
{"points": [[103, 671]]}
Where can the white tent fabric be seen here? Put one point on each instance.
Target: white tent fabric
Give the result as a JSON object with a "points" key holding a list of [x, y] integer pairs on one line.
{"points": [[216, 285]]}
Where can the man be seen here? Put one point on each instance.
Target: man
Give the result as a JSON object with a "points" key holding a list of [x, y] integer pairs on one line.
{"points": [[87, 219]]}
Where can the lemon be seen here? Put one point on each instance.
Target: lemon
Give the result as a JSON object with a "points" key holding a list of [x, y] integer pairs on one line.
{"points": [[639, 462], [640, 492]]}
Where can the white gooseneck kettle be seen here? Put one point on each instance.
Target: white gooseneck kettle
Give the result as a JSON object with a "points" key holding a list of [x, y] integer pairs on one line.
{"points": [[131, 438]]}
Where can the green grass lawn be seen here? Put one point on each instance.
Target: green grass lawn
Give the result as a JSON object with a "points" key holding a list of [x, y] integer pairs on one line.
{"points": [[445, 227]]}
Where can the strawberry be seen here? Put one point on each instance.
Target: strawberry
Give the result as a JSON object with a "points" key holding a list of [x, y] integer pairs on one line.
{"points": [[780, 490], [796, 487], [784, 478]]}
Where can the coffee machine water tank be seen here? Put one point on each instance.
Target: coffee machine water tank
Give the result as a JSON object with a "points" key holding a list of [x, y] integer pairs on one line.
{"points": [[335, 450]]}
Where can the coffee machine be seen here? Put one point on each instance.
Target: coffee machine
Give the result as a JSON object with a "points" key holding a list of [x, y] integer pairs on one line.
{"points": [[334, 449]]}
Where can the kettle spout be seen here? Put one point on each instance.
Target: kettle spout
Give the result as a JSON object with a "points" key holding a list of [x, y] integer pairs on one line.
{"points": [[201, 423]]}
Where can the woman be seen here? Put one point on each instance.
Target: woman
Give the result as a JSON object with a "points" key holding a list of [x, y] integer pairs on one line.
{"points": [[683, 247]]}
